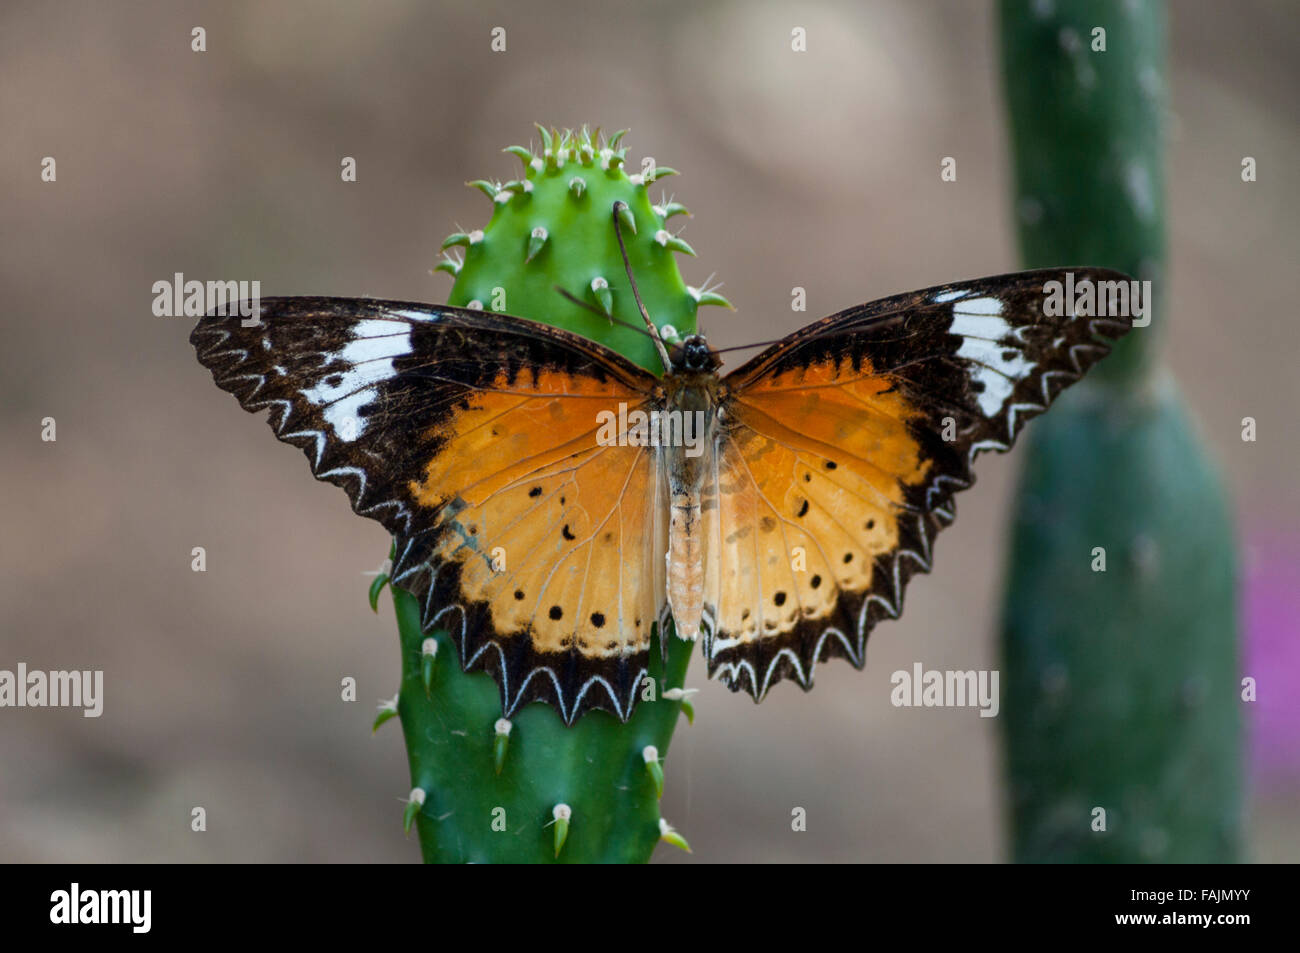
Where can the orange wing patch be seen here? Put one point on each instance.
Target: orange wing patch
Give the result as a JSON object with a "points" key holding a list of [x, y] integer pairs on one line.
{"points": [[512, 427], [551, 535], [846, 444], [803, 518]]}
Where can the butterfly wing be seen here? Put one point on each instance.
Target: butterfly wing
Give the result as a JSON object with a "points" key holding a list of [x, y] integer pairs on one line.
{"points": [[843, 445], [473, 438]]}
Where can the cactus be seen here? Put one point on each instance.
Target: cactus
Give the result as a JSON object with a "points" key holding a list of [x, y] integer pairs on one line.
{"points": [[532, 789], [1121, 684]]}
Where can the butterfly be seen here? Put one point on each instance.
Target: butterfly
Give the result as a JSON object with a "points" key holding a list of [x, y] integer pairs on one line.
{"points": [[552, 504]]}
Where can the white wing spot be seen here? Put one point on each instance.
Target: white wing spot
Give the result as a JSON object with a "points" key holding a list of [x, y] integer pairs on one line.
{"points": [[413, 315], [990, 307], [997, 373], [370, 353], [946, 296]]}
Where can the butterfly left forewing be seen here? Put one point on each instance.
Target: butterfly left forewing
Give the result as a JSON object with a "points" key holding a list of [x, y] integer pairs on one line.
{"points": [[842, 448], [474, 439]]}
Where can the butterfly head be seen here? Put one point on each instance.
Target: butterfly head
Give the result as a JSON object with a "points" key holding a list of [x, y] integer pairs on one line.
{"points": [[694, 355]]}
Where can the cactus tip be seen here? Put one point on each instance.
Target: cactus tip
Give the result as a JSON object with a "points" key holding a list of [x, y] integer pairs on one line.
{"points": [[536, 241], [561, 814], [600, 288], [669, 835], [376, 587], [546, 136], [525, 155], [448, 264], [668, 208], [428, 652], [413, 805], [387, 709], [683, 695], [625, 216], [500, 742], [673, 243], [650, 754], [703, 297]]}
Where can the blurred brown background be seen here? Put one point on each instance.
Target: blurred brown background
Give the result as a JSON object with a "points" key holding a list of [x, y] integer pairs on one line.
{"points": [[818, 170]]}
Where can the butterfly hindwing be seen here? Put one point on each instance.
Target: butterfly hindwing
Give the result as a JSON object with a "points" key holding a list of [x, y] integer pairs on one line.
{"points": [[473, 438], [842, 448]]}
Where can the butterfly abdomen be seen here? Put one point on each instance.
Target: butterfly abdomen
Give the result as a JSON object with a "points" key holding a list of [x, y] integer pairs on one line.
{"points": [[686, 562]]}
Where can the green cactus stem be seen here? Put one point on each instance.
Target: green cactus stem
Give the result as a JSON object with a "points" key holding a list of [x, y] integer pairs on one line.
{"points": [[1120, 683], [531, 789]]}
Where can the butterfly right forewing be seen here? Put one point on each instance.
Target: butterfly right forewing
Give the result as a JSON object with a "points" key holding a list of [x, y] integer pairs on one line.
{"points": [[844, 445]]}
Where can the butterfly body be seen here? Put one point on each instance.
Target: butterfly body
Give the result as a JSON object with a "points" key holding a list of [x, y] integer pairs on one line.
{"points": [[693, 396], [543, 523]]}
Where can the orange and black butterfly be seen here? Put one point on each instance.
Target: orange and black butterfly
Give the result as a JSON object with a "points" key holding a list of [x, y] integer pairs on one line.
{"points": [[551, 501]]}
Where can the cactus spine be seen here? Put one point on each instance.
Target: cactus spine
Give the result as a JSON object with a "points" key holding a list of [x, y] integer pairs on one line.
{"points": [[530, 789]]}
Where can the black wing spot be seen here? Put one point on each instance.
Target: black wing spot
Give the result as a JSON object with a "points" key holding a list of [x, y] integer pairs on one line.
{"points": [[567, 534], [556, 613], [871, 524], [535, 491], [779, 598], [831, 464], [815, 581], [807, 477], [598, 619], [519, 594], [803, 509], [848, 558]]}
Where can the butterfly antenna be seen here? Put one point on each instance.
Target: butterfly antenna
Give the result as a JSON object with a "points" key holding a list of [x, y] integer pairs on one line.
{"points": [[885, 316], [601, 314], [746, 347], [619, 207]]}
